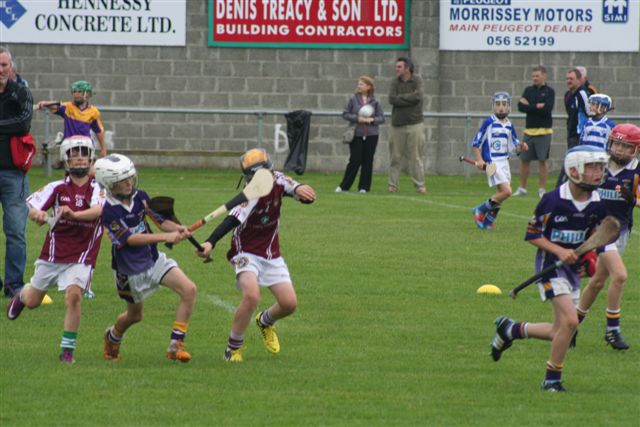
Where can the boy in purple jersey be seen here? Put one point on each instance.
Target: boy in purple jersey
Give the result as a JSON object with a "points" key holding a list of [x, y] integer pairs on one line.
{"points": [[80, 117], [138, 266], [622, 180], [563, 219], [493, 142], [72, 243], [255, 255]]}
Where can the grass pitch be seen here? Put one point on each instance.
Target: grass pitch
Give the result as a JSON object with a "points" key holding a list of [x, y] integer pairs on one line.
{"points": [[389, 329]]}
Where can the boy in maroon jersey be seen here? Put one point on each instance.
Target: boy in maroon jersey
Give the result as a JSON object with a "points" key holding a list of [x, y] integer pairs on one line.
{"points": [[72, 243], [255, 255]]}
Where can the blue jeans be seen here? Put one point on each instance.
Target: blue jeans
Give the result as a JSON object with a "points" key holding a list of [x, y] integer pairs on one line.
{"points": [[14, 189]]}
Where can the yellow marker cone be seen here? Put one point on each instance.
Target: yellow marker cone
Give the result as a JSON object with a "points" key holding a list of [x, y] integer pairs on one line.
{"points": [[47, 300], [489, 289]]}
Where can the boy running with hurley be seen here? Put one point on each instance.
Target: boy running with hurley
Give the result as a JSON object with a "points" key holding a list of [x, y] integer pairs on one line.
{"points": [[563, 219], [140, 269], [255, 255], [73, 240]]}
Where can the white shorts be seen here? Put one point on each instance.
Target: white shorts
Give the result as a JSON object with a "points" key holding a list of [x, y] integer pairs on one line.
{"points": [[502, 175], [555, 287], [620, 244], [268, 271], [47, 274], [136, 288]]}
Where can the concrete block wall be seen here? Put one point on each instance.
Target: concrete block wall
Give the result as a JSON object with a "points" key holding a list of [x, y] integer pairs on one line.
{"points": [[197, 76]]}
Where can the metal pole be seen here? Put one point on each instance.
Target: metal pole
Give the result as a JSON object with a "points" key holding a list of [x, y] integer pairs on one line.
{"points": [[45, 149], [260, 127], [467, 130]]}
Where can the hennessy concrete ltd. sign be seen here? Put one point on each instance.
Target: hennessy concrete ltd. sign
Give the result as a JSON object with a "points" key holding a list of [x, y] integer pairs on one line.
{"points": [[100, 22]]}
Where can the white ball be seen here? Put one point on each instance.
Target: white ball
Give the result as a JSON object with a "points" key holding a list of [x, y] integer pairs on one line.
{"points": [[366, 111]]}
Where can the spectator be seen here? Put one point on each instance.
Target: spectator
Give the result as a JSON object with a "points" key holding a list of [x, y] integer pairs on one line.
{"points": [[13, 75], [407, 126], [591, 89], [537, 103], [16, 108], [365, 112], [576, 102]]}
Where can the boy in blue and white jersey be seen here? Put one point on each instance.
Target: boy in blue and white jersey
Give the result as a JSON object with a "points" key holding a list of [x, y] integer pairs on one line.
{"points": [[563, 220], [139, 267], [619, 192], [493, 143], [598, 126]]}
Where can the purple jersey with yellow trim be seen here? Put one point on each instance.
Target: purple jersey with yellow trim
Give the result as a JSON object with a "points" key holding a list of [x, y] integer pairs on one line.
{"points": [[121, 221], [567, 223], [80, 121], [629, 178], [259, 221], [70, 241]]}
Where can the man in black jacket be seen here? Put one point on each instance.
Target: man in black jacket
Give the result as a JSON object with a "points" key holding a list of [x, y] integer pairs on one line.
{"points": [[16, 109], [537, 103]]}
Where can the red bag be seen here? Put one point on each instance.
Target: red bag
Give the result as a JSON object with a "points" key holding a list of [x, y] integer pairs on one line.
{"points": [[23, 150]]}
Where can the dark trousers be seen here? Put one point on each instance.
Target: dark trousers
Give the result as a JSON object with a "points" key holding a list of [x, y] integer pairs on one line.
{"points": [[361, 152], [572, 141]]}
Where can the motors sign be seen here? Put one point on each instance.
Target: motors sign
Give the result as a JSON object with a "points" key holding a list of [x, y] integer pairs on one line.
{"points": [[541, 25], [99, 22], [339, 24]]}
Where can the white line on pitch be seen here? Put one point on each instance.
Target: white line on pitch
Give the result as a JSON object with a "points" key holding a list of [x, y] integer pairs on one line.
{"points": [[216, 300], [448, 205]]}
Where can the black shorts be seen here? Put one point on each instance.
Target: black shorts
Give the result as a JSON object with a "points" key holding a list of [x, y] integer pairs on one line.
{"points": [[539, 146]]}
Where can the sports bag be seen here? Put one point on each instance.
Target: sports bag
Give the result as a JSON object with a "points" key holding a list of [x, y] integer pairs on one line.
{"points": [[23, 150]]}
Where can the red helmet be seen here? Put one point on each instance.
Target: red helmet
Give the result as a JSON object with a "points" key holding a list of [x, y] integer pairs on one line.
{"points": [[627, 136]]}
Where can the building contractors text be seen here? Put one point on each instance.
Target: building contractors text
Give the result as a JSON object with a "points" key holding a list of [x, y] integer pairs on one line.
{"points": [[356, 24]]}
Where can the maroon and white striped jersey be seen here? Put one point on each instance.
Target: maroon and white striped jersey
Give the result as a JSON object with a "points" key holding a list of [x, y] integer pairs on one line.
{"points": [[259, 221], [70, 241]]}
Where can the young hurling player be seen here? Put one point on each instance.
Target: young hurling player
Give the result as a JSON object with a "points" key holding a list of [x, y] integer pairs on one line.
{"points": [[255, 255], [623, 175], [598, 126], [562, 220], [80, 117], [72, 244], [139, 268], [495, 139]]}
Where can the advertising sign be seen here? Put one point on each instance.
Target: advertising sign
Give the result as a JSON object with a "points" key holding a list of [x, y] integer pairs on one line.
{"points": [[335, 24], [540, 25], [99, 22]]}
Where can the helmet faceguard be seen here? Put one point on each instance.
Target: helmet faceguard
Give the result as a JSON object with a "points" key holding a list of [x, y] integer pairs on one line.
{"points": [[578, 157], [74, 147], [112, 172], [252, 160], [624, 143], [84, 87], [501, 104], [599, 104]]}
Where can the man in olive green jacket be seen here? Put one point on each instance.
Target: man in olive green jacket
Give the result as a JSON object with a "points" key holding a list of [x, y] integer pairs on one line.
{"points": [[407, 126]]}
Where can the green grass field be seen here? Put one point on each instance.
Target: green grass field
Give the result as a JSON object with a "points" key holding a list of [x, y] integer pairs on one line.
{"points": [[389, 329]]}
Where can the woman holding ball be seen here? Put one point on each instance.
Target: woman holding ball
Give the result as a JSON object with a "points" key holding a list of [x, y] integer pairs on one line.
{"points": [[365, 113]]}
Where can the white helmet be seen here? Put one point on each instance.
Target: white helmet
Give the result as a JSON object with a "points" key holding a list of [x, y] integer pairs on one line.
{"points": [[366, 111], [501, 96], [599, 103], [578, 157], [115, 168], [85, 145]]}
